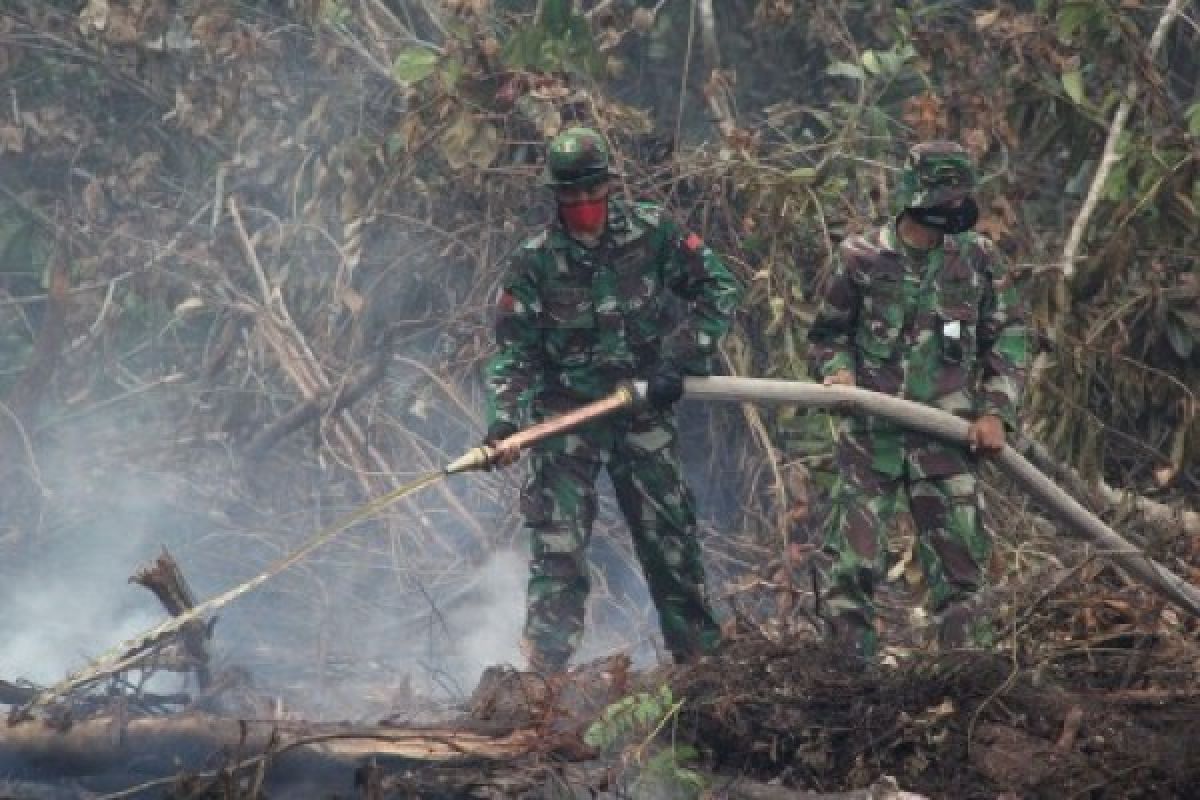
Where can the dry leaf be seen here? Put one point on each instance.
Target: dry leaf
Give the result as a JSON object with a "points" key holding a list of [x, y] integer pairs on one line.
{"points": [[142, 170], [550, 123], [470, 141], [93, 199], [1165, 474], [12, 139], [93, 17], [986, 19], [122, 28], [353, 301]]}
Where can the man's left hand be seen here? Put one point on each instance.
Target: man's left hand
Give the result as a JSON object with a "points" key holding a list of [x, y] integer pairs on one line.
{"points": [[665, 387], [986, 435]]}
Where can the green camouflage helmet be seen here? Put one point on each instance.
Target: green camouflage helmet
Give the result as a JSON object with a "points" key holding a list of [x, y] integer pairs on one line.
{"points": [[935, 173], [577, 157]]}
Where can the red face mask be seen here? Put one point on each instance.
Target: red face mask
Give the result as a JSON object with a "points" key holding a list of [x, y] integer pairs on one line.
{"points": [[587, 217]]}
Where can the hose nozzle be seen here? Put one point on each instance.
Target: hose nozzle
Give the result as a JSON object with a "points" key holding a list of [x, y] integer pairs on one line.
{"points": [[477, 458], [484, 457]]}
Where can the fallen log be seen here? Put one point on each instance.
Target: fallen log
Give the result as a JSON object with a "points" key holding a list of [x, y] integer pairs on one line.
{"points": [[188, 740], [934, 422], [511, 714]]}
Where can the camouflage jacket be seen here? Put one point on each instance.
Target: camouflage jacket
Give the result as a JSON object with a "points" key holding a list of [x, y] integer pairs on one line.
{"points": [[945, 327], [572, 321]]}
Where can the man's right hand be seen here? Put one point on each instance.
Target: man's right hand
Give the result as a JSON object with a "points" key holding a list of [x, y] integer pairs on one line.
{"points": [[843, 377], [497, 433]]}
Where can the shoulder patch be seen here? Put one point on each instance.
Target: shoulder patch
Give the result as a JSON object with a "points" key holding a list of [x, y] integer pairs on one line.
{"points": [[648, 213]]}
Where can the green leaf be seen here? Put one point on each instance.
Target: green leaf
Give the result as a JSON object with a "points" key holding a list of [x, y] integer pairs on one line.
{"points": [[1118, 181], [1073, 82], [578, 30], [522, 48], [394, 145], [414, 64], [805, 176], [1193, 118], [844, 69], [556, 17], [451, 73], [1180, 337], [1076, 15], [823, 117], [877, 122], [870, 60]]}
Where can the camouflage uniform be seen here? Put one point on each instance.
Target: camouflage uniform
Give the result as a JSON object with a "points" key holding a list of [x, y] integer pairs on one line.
{"points": [[572, 322], [944, 327]]}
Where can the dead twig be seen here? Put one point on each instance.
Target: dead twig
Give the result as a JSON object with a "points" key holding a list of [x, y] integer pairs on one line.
{"points": [[1110, 156]]}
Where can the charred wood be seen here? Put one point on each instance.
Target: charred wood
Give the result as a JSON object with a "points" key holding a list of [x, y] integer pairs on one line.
{"points": [[166, 581]]}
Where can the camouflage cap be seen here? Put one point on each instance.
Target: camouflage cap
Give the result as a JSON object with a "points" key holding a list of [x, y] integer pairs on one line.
{"points": [[934, 174], [577, 157]]}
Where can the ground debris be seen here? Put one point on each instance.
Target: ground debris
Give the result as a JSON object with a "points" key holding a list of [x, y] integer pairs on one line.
{"points": [[965, 724], [1091, 692]]}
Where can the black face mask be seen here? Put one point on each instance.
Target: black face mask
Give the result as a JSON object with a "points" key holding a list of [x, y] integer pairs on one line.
{"points": [[947, 219]]}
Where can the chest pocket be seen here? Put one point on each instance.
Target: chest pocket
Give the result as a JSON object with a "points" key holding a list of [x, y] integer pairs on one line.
{"points": [[957, 317], [568, 322], [881, 320]]}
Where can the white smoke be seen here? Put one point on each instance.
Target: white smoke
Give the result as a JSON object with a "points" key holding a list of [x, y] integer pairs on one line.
{"points": [[489, 631], [65, 596]]}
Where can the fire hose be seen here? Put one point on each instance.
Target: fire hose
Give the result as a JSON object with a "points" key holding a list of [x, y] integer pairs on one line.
{"points": [[1079, 522]]}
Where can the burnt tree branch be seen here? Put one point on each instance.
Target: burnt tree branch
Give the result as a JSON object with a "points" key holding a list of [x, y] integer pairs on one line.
{"points": [[166, 581], [326, 404]]}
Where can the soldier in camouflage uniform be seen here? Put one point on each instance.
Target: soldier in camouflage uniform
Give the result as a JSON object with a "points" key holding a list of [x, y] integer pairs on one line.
{"points": [[583, 307], [926, 310]]}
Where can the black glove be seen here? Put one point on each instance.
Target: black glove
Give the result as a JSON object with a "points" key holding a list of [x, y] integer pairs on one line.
{"points": [[497, 431], [665, 387]]}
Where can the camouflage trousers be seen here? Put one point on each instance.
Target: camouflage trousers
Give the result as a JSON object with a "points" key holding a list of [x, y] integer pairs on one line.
{"points": [[559, 505], [879, 470]]}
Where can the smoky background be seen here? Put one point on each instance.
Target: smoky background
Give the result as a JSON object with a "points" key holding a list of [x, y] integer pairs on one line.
{"points": [[224, 260]]}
